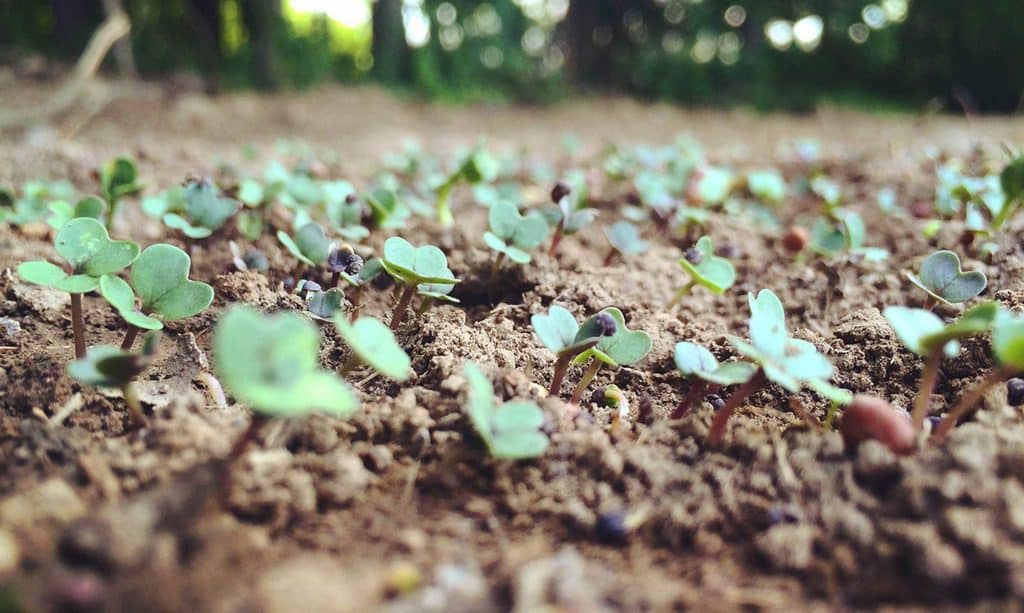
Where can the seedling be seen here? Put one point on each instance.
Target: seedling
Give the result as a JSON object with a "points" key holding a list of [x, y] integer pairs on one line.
{"points": [[322, 305], [943, 280], [89, 252], [345, 211], [202, 210], [159, 277], [565, 338], [708, 185], [923, 333], [373, 344], [271, 365], [418, 268], [789, 362], [620, 348], [768, 186], [62, 211], [694, 361], [625, 241], [310, 245], [478, 167], [1011, 179], [705, 268], [118, 178], [387, 210], [841, 231], [512, 234], [344, 262], [105, 366], [36, 197], [1008, 351], [570, 216], [369, 271], [511, 431]]}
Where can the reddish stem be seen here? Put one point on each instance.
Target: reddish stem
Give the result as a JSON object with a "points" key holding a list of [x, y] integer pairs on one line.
{"points": [[77, 325], [555, 241], [608, 258], [970, 399], [924, 395], [561, 368], [697, 391], [402, 306], [721, 419], [129, 337]]}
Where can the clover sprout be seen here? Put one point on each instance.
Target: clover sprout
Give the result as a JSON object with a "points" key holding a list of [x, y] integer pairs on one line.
{"points": [[373, 344], [478, 167], [511, 431], [621, 347], [570, 215], [924, 333], [105, 366], [944, 281], [310, 245], [387, 210], [779, 358], [705, 268], [709, 185], [35, 201], [840, 231], [694, 361], [202, 210], [625, 240], [344, 263], [61, 211], [321, 304], [345, 211], [118, 178], [369, 271], [768, 186], [512, 234], [85, 245], [1011, 180], [159, 277], [423, 269], [564, 337]]}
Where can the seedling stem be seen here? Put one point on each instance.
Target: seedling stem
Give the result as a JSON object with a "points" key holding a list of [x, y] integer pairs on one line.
{"points": [[588, 376], [924, 395], [131, 399], [970, 399], [496, 266], [555, 240], [129, 337], [721, 419], [561, 368], [77, 326], [444, 210], [403, 303], [683, 291], [697, 391]]}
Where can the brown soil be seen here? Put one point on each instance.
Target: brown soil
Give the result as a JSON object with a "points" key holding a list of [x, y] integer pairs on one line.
{"points": [[332, 515]]}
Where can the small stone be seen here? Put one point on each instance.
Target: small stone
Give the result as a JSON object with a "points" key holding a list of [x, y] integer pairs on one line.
{"points": [[1015, 392]]}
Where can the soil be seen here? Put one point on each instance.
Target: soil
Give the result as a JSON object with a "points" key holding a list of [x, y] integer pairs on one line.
{"points": [[399, 508]]}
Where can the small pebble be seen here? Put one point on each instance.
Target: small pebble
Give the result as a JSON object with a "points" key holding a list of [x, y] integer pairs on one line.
{"points": [[611, 528], [1015, 392]]}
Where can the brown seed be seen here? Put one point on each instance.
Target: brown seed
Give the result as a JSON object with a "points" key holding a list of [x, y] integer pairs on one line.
{"points": [[873, 418], [795, 239]]}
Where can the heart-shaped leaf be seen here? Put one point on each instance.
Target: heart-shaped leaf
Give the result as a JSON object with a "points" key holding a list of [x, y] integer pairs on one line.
{"points": [[416, 265], [310, 244], [692, 360], [45, 273], [120, 296], [625, 238], [510, 431], [913, 326], [160, 278], [622, 348], [119, 178], [557, 329], [206, 208], [63, 212], [375, 345], [271, 364], [768, 186], [85, 244], [713, 272], [178, 222], [323, 305], [942, 278]]}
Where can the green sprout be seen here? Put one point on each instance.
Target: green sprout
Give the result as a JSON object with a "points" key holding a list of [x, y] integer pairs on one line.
{"points": [[841, 231], [322, 305], [705, 268], [202, 210], [1011, 179], [62, 211], [345, 211], [88, 250], [564, 337], [709, 185], [310, 246], [369, 271], [118, 178], [257, 199], [387, 210], [105, 366], [943, 280], [511, 431], [478, 167], [924, 334], [1008, 351], [695, 361], [625, 240], [373, 344], [768, 186], [423, 269], [270, 363], [791, 363], [570, 215], [622, 347], [512, 234], [159, 277], [35, 201]]}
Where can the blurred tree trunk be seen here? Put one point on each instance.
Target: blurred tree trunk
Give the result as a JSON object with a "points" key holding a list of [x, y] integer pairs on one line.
{"points": [[72, 19], [391, 55], [207, 23], [263, 20], [591, 30]]}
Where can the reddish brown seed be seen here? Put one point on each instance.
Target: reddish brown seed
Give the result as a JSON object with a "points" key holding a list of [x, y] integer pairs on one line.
{"points": [[922, 209], [795, 239], [873, 418]]}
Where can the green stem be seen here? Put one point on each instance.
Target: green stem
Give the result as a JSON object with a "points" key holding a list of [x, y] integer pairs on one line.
{"points": [[444, 211], [924, 395], [588, 376], [77, 326], [129, 338], [131, 399], [111, 213], [830, 416], [721, 419], [403, 304], [970, 399], [683, 291]]}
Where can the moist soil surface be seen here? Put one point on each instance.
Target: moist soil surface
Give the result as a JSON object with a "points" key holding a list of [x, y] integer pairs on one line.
{"points": [[400, 508]]}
